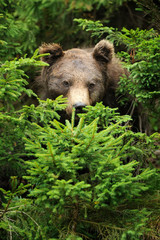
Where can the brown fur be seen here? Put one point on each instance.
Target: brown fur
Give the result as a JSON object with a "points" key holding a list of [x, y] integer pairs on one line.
{"points": [[83, 77]]}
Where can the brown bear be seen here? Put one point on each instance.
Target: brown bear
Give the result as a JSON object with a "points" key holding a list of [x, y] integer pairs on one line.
{"points": [[83, 76]]}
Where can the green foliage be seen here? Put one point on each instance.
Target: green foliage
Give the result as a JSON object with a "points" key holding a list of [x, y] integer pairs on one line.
{"points": [[12, 86], [24, 25], [13, 81], [17, 33], [81, 174], [105, 116], [49, 107], [89, 180], [15, 209]]}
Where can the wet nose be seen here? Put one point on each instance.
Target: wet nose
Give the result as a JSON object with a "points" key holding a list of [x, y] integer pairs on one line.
{"points": [[79, 107]]}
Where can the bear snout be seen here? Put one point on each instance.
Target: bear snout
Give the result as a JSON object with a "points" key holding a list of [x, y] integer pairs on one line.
{"points": [[78, 97], [79, 107]]}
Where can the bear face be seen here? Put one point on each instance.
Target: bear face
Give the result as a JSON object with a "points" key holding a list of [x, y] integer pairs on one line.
{"points": [[84, 77]]}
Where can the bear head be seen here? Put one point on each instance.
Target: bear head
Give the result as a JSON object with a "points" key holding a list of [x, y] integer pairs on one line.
{"points": [[83, 76]]}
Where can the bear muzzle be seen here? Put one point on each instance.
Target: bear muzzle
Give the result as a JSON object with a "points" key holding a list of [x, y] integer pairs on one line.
{"points": [[78, 98], [79, 107]]}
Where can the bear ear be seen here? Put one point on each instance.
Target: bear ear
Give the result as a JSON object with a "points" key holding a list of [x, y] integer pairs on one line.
{"points": [[55, 51], [103, 51]]}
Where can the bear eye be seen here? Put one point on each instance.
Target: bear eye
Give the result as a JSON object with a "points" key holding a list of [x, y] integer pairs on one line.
{"points": [[91, 86], [65, 83]]}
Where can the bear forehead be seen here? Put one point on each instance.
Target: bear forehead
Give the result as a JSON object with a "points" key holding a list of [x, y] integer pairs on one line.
{"points": [[77, 60]]}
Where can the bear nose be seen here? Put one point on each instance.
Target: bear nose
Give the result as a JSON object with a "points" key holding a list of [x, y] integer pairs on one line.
{"points": [[79, 107]]}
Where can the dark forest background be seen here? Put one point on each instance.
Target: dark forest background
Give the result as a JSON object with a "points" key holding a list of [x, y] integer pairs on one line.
{"points": [[28, 24]]}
